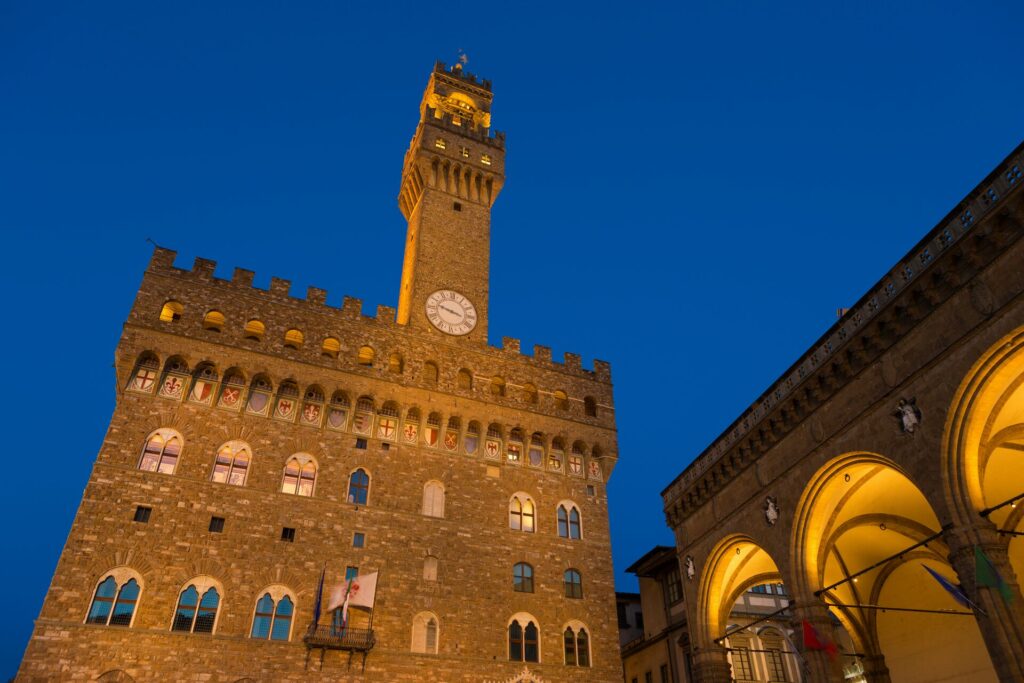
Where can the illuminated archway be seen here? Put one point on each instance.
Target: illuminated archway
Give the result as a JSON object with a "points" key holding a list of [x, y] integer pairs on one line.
{"points": [[862, 537]]}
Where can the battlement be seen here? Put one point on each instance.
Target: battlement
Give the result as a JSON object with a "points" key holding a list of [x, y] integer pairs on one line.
{"points": [[456, 71], [446, 121], [351, 309]]}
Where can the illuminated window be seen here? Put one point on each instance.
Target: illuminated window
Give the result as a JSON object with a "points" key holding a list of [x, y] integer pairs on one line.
{"points": [[523, 641], [160, 454], [359, 487], [464, 380], [440, 143], [522, 578], [573, 582], [299, 476], [742, 668], [521, 513], [395, 364], [273, 618], [514, 447], [365, 356], [213, 321], [331, 347], [293, 339], [196, 614], [568, 521], [171, 312], [115, 598], [433, 499], [232, 463], [254, 329], [424, 633], [556, 456], [485, 159]]}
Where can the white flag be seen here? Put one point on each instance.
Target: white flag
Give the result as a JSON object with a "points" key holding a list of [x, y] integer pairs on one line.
{"points": [[338, 592], [362, 591]]}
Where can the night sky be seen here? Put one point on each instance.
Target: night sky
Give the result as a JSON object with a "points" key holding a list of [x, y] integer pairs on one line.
{"points": [[692, 192]]}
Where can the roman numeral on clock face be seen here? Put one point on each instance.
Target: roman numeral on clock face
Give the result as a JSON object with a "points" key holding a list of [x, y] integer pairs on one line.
{"points": [[451, 312]]}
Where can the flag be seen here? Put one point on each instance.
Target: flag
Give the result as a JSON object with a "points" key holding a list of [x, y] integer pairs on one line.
{"points": [[363, 590], [952, 588], [339, 592], [319, 597], [814, 641], [987, 574]]}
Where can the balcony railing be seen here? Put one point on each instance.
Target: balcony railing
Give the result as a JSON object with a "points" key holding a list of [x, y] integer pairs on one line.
{"points": [[332, 638]]}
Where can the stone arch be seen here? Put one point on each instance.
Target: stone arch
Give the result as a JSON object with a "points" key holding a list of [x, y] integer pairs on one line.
{"points": [[115, 676]]}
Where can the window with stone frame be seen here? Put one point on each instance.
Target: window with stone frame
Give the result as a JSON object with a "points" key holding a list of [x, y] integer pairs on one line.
{"points": [[433, 499], [576, 645], [359, 487], [161, 451], [299, 475], [274, 614], [231, 465], [522, 577], [573, 583], [425, 633], [197, 607], [569, 521], [673, 586], [523, 639], [522, 513], [742, 666], [115, 599]]}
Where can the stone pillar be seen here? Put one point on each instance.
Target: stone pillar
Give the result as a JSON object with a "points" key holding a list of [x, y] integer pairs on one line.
{"points": [[711, 666], [1002, 625], [818, 666], [875, 670]]}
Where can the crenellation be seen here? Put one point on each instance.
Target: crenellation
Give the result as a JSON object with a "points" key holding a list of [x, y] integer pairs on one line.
{"points": [[541, 354], [352, 307], [243, 278], [385, 314], [573, 361], [163, 259], [511, 344], [203, 268], [281, 287], [316, 296], [603, 370]]}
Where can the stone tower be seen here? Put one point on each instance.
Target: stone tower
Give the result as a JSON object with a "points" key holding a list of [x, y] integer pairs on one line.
{"points": [[260, 438], [453, 172]]}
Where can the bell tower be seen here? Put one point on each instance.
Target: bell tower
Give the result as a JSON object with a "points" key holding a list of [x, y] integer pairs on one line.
{"points": [[452, 174]]}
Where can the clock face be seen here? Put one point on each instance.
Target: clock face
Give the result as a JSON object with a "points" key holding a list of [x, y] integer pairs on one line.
{"points": [[450, 312]]}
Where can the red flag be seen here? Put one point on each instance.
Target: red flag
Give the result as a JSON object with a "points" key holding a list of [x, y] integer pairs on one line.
{"points": [[814, 641]]}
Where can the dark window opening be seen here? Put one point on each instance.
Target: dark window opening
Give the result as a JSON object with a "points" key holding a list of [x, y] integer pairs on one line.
{"points": [[361, 443], [457, 206], [216, 525], [142, 514], [288, 534]]}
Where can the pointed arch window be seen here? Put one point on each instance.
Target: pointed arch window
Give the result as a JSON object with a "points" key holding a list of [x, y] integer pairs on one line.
{"points": [[273, 617], [160, 454], [433, 499], [299, 476], [114, 601], [197, 608], [568, 521], [523, 640], [577, 645], [521, 513], [232, 463], [424, 633], [359, 487]]}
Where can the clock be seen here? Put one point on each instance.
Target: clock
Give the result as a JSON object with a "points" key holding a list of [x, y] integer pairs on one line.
{"points": [[451, 312]]}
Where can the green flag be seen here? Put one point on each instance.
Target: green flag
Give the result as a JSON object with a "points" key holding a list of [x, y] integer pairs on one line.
{"points": [[987, 574]]}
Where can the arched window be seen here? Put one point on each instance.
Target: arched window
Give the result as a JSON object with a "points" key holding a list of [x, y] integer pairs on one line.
{"points": [[299, 476], [561, 400], [433, 499], [146, 371], [497, 386], [293, 338], [232, 463], [272, 619], [396, 365], [521, 513], [424, 633], [430, 568], [523, 640], [522, 578], [213, 321], [529, 393], [204, 384], [358, 487], [160, 454], [577, 645], [197, 607], [331, 347], [464, 380], [171, 312], [365, 356], [568, 521], [254, 329], [573, 584], [115, 599], [430, 373], [590, 406]]}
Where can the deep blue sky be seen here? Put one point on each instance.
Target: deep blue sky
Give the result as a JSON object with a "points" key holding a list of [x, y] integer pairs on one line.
{"points": [[692, 191]]}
